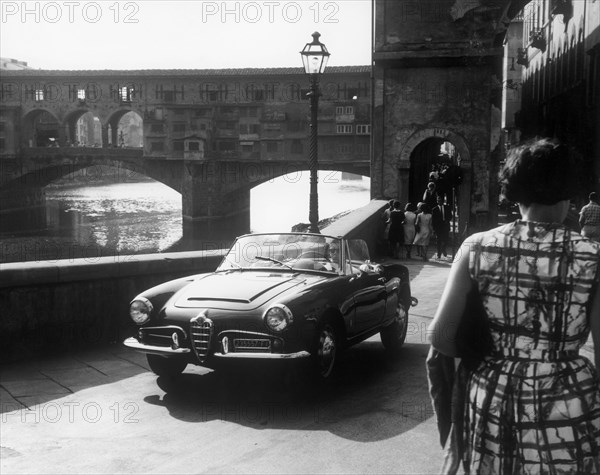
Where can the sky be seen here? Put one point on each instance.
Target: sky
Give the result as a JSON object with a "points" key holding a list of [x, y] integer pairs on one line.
{"points": [[192, 34]]}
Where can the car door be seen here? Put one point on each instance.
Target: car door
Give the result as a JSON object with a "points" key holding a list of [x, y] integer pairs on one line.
{"points": [[367, 288]]}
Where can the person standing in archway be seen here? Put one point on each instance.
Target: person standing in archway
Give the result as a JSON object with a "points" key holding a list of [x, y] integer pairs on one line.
{"points": [[441, 217], [430, 194]]}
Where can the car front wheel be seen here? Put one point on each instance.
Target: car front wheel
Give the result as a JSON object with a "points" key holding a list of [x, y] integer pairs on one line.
{"points": [[393, 335], [326, 355], [166, 367]]}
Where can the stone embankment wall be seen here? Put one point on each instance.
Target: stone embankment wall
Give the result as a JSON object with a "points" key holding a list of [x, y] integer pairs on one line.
{"points": [[52, 306]]}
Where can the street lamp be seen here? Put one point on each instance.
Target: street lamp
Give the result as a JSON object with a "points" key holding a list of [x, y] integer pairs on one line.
{"points": [[314, 57]]}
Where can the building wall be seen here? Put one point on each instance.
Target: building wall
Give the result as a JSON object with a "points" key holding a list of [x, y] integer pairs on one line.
{"points": [[561, 82], [512, 85], [438, 78]]}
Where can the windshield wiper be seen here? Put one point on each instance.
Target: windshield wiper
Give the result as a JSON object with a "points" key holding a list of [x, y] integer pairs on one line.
{"points": [[270, 259]]}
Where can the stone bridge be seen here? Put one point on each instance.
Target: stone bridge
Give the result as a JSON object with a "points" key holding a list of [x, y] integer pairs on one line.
{"points": [[211, 135]]}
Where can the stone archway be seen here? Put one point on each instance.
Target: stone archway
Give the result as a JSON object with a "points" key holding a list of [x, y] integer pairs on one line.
{"points": [[407, 170], [41, 128]]}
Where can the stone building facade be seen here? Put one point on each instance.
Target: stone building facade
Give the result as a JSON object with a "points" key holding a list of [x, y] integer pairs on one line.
{"points": [[472, 73], [560, 61]]}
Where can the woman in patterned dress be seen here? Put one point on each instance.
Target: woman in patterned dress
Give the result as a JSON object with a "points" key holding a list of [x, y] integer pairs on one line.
{"points": [[533, 404]]}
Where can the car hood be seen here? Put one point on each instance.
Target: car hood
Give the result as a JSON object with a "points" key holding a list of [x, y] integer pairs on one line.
{"points": [[238, 290]]}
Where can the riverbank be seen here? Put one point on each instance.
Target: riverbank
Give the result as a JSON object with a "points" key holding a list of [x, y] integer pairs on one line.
{"points": [[102, 220]]}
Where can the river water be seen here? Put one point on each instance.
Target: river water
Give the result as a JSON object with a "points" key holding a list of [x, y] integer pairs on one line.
{"points": [[145, 217]]}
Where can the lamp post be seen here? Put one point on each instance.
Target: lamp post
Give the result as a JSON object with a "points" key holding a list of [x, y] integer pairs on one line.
{"points": [[314, 57]]}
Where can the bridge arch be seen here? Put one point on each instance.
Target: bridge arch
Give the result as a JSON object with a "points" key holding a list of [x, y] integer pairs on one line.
{"points": [[41, 128], [271, 201], [83, 127], [114, 131]]}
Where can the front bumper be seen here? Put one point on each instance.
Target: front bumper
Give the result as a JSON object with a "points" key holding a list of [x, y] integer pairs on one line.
{"points": [[155, 350], [265, 356], [134, 344]]}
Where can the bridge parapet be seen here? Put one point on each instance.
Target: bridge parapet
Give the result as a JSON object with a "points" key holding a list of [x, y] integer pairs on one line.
{"points": [[81, 152]]}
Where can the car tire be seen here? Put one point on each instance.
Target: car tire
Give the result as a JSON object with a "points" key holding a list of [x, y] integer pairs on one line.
{"points": [[327, 351], [166, 367], [394, 335]]}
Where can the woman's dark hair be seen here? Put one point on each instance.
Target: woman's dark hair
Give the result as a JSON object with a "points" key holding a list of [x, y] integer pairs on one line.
{"points": [[541, 171], [410, 207], [425, 208]]}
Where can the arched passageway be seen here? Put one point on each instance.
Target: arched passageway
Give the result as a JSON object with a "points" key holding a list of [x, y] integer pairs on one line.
{"points": [[41, 129], [434, 160], [125, 129], [84, 130]]}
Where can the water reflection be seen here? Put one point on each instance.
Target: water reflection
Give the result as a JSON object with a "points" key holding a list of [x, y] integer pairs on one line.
{"points": [[133, 218]]}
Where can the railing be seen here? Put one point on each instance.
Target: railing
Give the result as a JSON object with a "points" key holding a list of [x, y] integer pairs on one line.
{"points": [[76, 152]]}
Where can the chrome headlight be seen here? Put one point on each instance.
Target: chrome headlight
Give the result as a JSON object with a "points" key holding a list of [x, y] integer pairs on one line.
{"points": [[278, 317], [140, 310]]}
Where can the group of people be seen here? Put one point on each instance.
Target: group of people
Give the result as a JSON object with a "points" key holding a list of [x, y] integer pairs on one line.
{"points": [[414, 226], [519, 398]]}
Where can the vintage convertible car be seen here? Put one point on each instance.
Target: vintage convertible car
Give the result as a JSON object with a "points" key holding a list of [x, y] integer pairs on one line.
{"points": [[274, 296]]}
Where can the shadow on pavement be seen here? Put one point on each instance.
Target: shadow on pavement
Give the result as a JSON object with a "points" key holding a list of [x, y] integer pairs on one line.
{"points": [[375, 396], [30, 383]]}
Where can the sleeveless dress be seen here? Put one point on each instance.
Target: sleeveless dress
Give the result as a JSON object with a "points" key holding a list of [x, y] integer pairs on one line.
{"points": [[424, 235], [534, 406], [409, 227], [396, 234]]}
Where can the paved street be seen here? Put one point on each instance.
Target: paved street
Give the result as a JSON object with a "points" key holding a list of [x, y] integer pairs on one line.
{"points": [[104, 412]]}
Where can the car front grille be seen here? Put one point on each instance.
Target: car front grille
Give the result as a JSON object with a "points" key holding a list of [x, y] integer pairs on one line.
{"points": [[201, 331], [160, 336]]}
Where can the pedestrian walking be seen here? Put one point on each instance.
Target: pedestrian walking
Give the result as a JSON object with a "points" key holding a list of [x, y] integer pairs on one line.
{"points": [[396, 234], [530, 403], [441, 217], [589, 218], [410, 231], [423, 226], [385, 218]]}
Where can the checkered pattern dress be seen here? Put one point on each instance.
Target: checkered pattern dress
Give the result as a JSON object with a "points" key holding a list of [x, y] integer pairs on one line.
{"points": [[534, 407]]}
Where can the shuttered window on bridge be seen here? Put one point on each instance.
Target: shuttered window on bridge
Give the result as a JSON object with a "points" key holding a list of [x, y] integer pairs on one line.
{"points": [[297, 146]]}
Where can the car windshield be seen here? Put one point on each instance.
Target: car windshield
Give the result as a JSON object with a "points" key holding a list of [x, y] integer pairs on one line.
{"points": [[285, 252]]}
